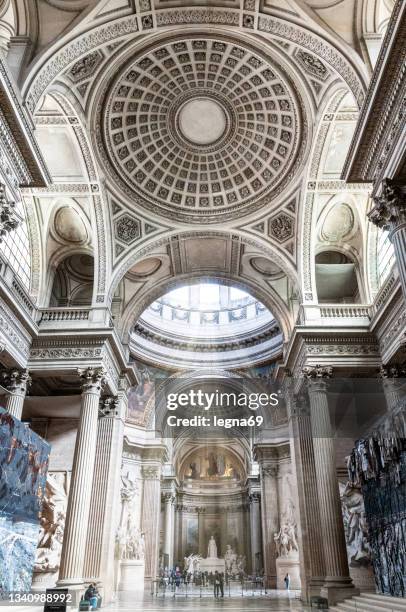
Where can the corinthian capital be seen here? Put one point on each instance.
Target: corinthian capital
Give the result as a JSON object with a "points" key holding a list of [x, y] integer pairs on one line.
{"points": [[390, 207], [393, 371], [15, 381], [109, 406], [9, 220], [317, 372], [93, 379]]}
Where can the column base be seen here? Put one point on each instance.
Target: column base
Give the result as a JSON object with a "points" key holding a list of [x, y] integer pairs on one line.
{"points": [[314, 585], [291, 566], [132, 576], [336, 590], [76, 589]]}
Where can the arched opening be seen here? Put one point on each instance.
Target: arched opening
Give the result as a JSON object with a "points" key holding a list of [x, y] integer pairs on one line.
{"points": [[336, 278], [206, 322], [73, 282]]}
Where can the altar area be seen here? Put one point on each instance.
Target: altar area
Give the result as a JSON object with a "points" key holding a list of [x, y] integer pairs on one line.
{"points": [[232, 564]]}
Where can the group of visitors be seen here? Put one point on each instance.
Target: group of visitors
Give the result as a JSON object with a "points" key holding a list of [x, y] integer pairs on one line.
{"points": [[175, 578]]}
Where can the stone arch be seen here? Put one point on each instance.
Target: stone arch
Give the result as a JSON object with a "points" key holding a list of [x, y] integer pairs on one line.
{"points": [[99, 221], [235, 247], [308, 220]]}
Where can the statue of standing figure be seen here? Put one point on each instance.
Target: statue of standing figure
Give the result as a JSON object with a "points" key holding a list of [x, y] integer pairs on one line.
{"points": [[230, 559], [212, 548]]}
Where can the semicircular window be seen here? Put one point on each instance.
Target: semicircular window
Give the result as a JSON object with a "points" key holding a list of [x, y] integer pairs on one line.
{"points": [[206, 323]]}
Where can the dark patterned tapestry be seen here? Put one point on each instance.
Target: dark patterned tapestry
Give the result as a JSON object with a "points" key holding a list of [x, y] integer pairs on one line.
{"points": [[385, 506], [23, 471]]}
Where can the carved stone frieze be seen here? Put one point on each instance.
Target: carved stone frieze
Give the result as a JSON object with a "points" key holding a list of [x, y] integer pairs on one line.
{"points": [[86, 66], [281, 227], [127, 228], [312, 65]]}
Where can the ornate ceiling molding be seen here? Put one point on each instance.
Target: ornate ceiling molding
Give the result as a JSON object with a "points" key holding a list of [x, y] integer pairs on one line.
{"points": [[149, 150], [58, 60]]}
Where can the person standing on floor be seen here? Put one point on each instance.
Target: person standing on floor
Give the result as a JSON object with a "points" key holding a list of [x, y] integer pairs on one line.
{"points": [[287, 582], [217, 583]]}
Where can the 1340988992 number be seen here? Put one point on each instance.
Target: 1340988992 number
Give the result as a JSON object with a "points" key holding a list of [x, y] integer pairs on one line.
{"points": [[39, 598]]}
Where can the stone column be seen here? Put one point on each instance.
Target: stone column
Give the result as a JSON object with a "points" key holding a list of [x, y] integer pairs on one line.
{"points": [[202, 543], [389, 213], [16, 382], [267, 460], [151, 509], [168, 499], [310, 537], [338, 584], [105, 501], [71, 570], [178, 534], [255, 529]]}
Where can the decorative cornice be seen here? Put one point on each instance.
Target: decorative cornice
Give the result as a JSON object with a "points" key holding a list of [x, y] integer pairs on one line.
{"points": [[374, 140], [19, 128]]}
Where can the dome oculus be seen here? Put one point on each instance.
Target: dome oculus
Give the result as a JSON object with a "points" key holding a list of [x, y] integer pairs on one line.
{"points": [[200, 127]]}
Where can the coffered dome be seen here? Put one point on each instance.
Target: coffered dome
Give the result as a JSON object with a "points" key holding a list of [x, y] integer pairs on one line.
{"points": [[200, 128]]}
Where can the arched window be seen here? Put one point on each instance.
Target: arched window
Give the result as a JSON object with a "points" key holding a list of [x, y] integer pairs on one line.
{"points": [[15, 248], [385, 256]]}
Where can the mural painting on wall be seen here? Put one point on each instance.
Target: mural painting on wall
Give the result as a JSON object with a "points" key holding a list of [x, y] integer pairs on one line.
{"points": [[142, 395], [23, 472], [212, 465]]}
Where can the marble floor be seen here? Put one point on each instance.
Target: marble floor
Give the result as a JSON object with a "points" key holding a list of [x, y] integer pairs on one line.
{"points": [[272, 601]]}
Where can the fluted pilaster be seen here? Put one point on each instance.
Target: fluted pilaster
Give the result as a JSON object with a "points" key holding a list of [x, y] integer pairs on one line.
{"points": [[169, 519], [312, 556], [255, 529], [77, 517], [104, 508], [150, 518], [270, 518], [17, 383]]}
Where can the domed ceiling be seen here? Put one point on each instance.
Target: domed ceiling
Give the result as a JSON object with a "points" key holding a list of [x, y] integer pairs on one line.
{"points": [[201, 129]]}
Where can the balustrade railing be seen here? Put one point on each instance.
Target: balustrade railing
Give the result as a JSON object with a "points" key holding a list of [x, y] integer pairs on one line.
{"points": [[64, 315]]}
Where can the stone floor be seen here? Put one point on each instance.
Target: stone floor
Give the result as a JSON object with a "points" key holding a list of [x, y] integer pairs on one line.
{"points": [[278, 601], [274, 600]]}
